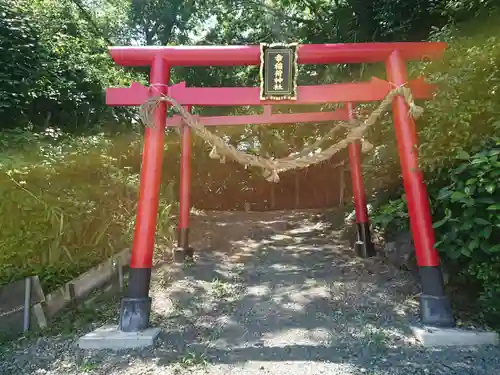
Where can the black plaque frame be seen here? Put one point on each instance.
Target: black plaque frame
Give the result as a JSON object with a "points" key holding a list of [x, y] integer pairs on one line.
{"points": [[286, 86]]}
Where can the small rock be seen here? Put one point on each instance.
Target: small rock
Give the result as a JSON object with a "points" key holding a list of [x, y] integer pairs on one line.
{"points": [[401, 253]]}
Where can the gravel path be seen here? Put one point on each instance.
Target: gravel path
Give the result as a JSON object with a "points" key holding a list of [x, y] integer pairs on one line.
{"points": [[276, 294]]}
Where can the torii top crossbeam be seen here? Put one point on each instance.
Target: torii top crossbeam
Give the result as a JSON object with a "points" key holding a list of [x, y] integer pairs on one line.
{"points": [[373, 90], [250, 55]]}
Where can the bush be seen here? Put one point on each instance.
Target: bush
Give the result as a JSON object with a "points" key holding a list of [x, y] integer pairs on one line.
{"points": [[391, 217], [466, 214], [66, 205], [465, 110], [55, 72], [468, 231]]}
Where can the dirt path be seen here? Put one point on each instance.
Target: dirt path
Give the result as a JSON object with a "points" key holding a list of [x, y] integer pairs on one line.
{"points": [[273, 293]]}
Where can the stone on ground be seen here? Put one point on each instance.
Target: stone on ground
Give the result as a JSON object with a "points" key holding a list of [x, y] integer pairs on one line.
{"points": [[110, 337], [434, 336]]}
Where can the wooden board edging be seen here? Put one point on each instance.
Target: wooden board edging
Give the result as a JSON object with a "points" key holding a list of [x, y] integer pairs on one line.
{"points": [[83, 285]]}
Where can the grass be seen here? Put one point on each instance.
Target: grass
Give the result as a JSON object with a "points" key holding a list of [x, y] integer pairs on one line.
{"points": [[190, 361], [69, 204], [220, 289], [87, 366]]}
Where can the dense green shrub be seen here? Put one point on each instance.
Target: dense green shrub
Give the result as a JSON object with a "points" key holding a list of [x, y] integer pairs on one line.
{"points": [[466, 212], [54, 72], [68, 205], [468, 231]]}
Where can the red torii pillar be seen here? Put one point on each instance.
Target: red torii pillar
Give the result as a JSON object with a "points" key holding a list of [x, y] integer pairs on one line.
{"points": [[135, 307], [184, 194], [364, 245], [435, 306]]}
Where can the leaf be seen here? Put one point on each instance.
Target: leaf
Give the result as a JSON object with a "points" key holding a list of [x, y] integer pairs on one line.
{"points": [[486, 232], [466, 225], [494, 249], [490, 188], [460, 169], [480, 160], [440, 223], [457, 253], [485, 200], [481, 221], [444, 193], [471, 181], [458, 196], [494, 207], [469, 190], [463, 155], [465, 251], [473, 244]]}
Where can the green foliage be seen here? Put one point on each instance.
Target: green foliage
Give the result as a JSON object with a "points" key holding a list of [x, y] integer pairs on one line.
{"points": [[468, 229], [20, 52], [391, 216], [68, 205], [465, 110], [53, 72], [466, 212]]}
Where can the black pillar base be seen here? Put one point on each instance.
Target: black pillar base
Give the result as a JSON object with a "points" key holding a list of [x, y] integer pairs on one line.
{"points": [[183, 255], [435, 307], [182, 237], [183, 252], [436, 311], [135, 308], [134, 314], [178, 255], [364, 247], [364, 250], [188, 254]]}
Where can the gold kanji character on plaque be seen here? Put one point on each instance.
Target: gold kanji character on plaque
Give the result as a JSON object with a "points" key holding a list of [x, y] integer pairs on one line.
{"points": [[278, 58], [278, 87], [278, 66]]}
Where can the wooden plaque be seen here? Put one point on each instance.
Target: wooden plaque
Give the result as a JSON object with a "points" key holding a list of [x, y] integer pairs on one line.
{"points": [[278, 71]]}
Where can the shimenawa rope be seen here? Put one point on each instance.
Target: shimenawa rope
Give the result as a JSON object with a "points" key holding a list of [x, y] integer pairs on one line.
{"points": [[303, 159]]}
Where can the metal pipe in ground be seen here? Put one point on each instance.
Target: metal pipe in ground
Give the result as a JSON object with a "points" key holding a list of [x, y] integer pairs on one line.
{"points": [[27, 304]]}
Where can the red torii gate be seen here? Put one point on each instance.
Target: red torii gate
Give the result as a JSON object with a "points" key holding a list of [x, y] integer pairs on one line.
{"points": [[135, 307]]}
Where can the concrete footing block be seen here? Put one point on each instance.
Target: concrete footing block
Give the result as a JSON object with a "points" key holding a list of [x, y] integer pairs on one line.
{"points": [[110, 337], [433, 336]]}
